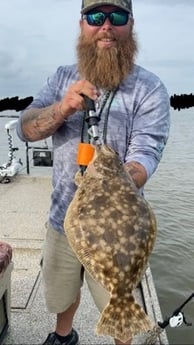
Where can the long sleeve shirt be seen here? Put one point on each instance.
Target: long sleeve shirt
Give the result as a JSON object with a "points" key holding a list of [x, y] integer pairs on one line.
{"points": [[137, 128]]}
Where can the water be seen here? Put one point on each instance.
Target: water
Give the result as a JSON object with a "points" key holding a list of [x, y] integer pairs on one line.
{"points": [[171, 194]]}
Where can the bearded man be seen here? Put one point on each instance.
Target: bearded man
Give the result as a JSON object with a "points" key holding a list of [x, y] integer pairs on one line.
{"points": [[133, 109]]}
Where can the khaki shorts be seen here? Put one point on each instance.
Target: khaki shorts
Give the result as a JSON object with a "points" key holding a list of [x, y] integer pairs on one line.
{"points": [[62, 275]]}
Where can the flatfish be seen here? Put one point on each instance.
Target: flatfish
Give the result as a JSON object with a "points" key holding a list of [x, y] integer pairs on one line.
{"points": [[112, 231]]}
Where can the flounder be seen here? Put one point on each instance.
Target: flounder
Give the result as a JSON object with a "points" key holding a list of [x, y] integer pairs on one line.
{"points": [[112, 230]]}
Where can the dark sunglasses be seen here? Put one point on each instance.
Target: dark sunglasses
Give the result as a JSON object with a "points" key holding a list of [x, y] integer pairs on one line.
{"points": [[117, 18]]}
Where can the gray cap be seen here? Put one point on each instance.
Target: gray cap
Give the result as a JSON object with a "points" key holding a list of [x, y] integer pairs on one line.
{"points": [[88, 5]]}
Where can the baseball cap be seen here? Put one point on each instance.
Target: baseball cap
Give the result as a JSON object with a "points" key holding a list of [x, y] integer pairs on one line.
{"points": [[88, 5]]}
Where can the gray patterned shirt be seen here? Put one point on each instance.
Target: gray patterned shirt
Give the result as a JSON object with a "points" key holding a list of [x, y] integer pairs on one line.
{"points": [[137, 128]]}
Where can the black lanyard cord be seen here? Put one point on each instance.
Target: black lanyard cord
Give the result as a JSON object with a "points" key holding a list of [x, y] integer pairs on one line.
{"points": [[104, 137], [86, 114]]}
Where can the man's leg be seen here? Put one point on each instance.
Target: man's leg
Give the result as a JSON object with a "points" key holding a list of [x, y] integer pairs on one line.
{"points": [[65, 319], [62, 280]]}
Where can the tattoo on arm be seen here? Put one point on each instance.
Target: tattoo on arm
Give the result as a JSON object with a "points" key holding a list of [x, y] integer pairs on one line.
{"points": [[137, 172], [39, 124]]}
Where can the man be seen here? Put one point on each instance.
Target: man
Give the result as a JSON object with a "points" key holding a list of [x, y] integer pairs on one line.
{"points": [[133, 106]]}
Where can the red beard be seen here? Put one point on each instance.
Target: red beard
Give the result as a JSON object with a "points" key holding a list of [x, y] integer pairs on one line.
{"points": [[106, 68]]}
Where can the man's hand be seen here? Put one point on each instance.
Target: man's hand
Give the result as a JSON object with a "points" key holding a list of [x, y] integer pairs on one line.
{"points": [[38, 124], [74, 100], [137, 172]]}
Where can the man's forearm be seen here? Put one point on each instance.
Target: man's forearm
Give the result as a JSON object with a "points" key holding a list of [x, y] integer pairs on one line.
{"points": [[41, 123], [137, 172], [38, 124]]}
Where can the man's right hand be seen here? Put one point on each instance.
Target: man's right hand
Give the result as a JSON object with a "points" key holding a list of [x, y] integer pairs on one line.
{"points": [[73, 100], [40, 123]]}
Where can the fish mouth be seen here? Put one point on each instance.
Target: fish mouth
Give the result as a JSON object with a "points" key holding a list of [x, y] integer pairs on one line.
{"points": [[105, 149]]}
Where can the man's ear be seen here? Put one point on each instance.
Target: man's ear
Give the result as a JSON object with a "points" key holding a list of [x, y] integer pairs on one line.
{"points": [[80, 23], [132, 22]]}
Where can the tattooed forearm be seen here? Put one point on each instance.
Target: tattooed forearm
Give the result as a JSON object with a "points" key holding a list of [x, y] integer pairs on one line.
{"points": [[39, 124], [137, 172]]}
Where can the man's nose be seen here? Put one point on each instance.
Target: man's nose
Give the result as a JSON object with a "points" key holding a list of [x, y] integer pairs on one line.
{"points": [[107, 25]]}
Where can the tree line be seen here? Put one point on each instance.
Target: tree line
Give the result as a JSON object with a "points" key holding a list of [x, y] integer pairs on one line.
{"points": [[177, 102]]}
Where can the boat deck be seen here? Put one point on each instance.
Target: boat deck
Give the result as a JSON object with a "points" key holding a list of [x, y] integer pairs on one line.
{"points": [[24, 205]]}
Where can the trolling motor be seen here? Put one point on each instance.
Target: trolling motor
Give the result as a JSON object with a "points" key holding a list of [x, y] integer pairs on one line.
{"points": [[12, 166]]}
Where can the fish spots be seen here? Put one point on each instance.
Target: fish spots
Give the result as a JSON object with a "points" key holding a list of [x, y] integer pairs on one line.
{"points": [[120, 260], [112, 231]]}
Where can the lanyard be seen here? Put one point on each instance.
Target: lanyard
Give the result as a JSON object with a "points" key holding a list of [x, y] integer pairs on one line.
{"points": [[109, 96], [90, 128]]}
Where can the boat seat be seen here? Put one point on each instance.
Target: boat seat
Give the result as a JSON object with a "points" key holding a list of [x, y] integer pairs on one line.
{"points": [[6, 267]]}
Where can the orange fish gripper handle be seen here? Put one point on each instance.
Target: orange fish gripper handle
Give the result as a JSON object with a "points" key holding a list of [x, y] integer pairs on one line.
{"points": [[85, 153]]}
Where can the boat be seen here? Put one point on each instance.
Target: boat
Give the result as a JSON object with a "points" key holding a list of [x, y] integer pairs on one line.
{"points": [[24, 199]]}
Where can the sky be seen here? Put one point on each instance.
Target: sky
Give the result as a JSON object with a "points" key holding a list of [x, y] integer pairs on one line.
{"points": [[36, 36]]}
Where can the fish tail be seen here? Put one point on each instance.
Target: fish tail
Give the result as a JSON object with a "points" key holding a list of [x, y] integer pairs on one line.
{"points": [[123, 320]]}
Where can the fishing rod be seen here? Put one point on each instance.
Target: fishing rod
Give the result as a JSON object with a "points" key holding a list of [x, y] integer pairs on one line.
{"points": [[176, 319]]}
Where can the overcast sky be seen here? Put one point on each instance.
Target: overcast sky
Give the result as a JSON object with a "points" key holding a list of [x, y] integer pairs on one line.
{"points": [[39, 35]]}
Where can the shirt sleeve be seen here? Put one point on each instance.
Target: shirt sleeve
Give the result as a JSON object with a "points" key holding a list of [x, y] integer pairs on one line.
{"points": [[150, 129], [48, 95]]}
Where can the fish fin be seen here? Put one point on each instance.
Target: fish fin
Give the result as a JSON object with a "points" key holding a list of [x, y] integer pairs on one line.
{"points": [[123, 321]]}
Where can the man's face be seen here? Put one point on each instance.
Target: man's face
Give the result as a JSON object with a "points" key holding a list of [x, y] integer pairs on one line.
{"points": [[117, 33], [106, 53]]}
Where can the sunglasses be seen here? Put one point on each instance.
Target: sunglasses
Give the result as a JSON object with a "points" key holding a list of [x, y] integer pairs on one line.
{"points": [[117, 18]]}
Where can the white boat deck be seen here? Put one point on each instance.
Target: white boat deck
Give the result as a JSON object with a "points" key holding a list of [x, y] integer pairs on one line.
{"points": [[24, 205]]}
